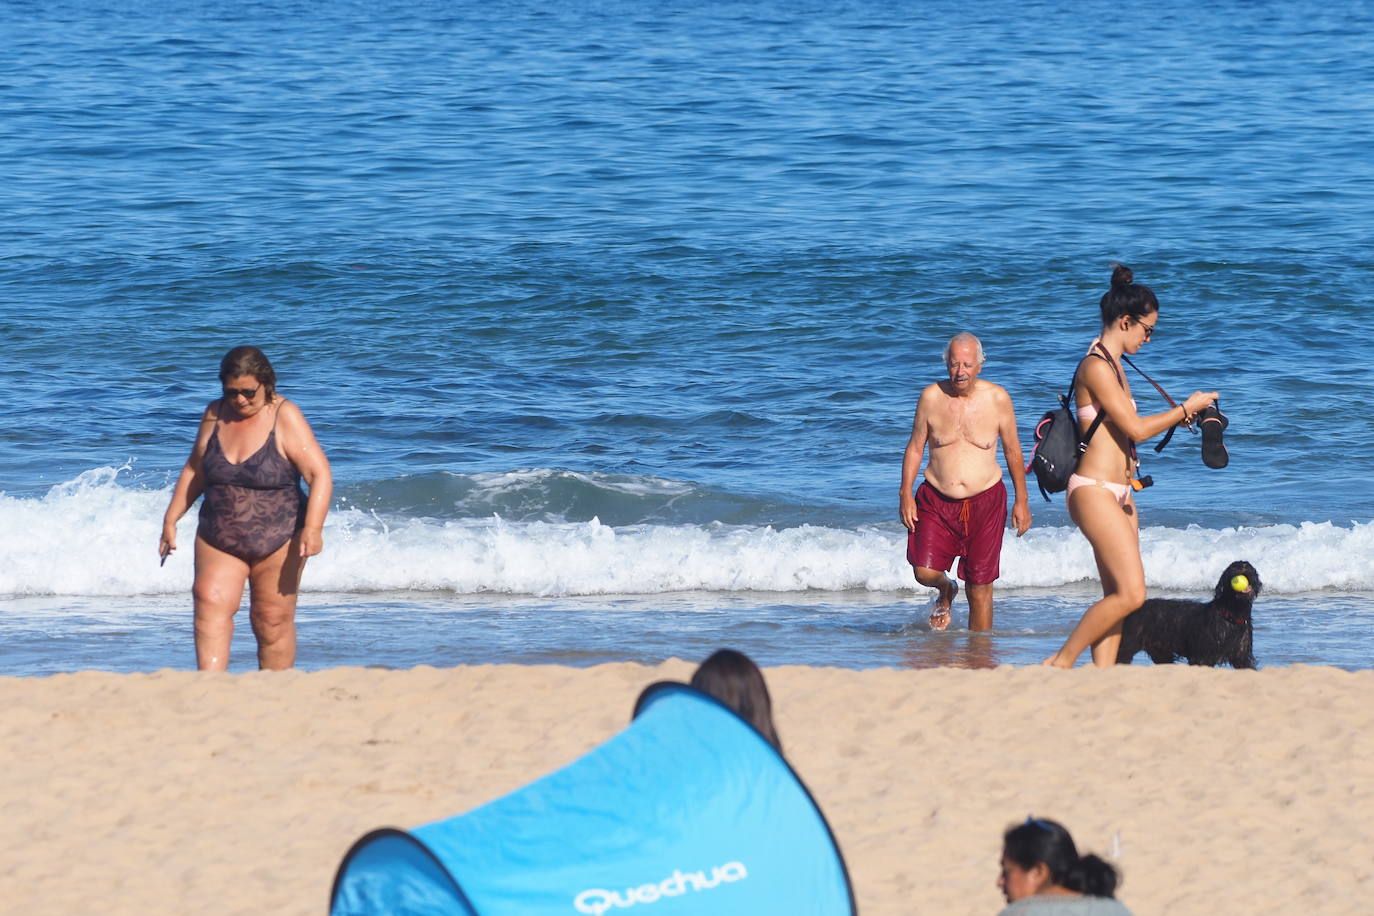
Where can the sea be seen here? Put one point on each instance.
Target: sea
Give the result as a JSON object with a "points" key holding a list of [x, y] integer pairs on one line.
{"points": [[611, 316]]}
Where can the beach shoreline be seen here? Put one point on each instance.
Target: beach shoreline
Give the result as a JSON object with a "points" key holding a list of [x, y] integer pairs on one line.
{"points": [[240, 793]]}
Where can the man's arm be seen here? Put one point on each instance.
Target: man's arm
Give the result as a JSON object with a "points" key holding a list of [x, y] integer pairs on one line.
{"points": [[1011, 451], [911, 460]]}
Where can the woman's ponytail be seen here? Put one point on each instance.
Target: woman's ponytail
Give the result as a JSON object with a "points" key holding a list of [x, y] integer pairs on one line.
{"points": [[1126, 297], [1092, 876], [1122, 276]]}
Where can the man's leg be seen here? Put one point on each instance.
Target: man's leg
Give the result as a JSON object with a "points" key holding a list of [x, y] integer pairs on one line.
{"points": [[981, 562], [930, 552], [948, 588], [979, 606]]}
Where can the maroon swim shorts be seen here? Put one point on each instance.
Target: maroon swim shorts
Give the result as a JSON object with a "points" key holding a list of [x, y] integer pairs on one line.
{"points": [[970, 529]]}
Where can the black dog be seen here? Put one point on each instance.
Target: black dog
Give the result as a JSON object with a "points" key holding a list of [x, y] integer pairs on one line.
{"points": [[1201, 633]]}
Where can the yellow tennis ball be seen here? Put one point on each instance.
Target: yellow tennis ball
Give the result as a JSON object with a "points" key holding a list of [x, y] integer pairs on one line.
{"points": [[1240, 583]]}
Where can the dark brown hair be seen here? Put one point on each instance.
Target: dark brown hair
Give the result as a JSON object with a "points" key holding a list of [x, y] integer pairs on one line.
{"points": [[1042, 840], [249, 360], [734, 679], [1126, 297]]}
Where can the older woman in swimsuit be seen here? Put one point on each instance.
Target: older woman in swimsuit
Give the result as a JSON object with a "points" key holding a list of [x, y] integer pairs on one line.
{"points": [[1099, 495], [256, 525]]}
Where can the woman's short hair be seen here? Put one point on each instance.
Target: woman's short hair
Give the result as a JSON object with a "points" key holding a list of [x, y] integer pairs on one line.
{"points": [[248, 360], [734, 679], [1126, 298], [1040, 840]]}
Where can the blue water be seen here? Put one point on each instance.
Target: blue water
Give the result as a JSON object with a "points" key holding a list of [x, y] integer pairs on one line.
{"points": [[611, 316]]}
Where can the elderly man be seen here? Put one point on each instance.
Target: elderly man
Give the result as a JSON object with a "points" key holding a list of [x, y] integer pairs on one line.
{"points": [[960, 509]]}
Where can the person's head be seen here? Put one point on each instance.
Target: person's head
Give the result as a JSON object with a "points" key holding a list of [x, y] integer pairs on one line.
{"points": [[964, 359], [244, 371], [734, 679], [1039, 855], [1130, 308]]}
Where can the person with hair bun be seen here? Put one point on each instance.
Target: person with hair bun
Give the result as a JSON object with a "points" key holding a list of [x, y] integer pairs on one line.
{"points": [[1043, 874], [256, 525], [1099, 494]]}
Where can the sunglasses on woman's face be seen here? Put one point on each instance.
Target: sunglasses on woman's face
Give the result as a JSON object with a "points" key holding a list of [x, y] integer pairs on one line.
{"points": [[1148, 328], [248, 393]]}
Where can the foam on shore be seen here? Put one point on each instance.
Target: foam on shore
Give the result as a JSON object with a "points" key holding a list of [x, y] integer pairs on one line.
{"points": [[93, 536]]}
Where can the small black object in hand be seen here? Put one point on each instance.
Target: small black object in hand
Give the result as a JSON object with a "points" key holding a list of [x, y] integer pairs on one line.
{"points": [[1213, 422]]}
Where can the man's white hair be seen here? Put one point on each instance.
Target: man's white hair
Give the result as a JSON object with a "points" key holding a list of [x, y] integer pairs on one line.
{"points": [[961, 337]]}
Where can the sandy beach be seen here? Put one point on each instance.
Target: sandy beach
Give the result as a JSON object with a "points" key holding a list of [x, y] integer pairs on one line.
{"points": [[172, 792]]}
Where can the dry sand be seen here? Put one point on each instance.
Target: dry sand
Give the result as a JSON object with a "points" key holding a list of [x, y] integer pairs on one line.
{"points": [[1231, 792]]}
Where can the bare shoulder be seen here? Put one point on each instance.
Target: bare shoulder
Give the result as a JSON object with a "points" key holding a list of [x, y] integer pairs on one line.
{"points": [[993, 391], [1095, 367], [290, 416], [204, 429], [207, 420], [1096, 373], [299, 438], [930, 395]]}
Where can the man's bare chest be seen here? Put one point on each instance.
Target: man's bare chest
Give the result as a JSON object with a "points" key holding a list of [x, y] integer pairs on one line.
{"points": [[970, 422]]}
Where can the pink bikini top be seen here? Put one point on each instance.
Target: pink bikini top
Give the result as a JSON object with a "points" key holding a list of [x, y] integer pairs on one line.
{"points": [[1089, 412]]}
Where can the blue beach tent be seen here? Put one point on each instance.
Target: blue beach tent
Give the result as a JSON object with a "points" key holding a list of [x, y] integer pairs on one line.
{"points": [[687, 811]]}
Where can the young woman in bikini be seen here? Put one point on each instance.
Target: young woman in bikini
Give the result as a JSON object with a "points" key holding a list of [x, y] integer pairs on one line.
{"points": [[1099, 495], [256, 525]]}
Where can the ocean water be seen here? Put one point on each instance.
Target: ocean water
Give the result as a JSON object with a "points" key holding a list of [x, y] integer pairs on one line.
{"points": [[611, 317]]}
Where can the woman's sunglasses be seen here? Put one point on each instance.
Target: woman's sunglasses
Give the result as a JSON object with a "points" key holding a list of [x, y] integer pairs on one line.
{"points": [[248, 393]]}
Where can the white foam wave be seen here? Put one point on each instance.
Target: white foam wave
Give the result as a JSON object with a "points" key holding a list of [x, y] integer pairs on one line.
{"points": [[498, 482], [93, 536]]}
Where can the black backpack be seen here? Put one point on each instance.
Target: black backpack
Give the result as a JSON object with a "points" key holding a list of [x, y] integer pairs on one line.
{"points": [[1058, 445]]}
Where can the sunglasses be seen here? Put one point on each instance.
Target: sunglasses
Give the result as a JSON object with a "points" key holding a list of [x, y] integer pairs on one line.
{"points": [[1148, 328], [248, 393]]}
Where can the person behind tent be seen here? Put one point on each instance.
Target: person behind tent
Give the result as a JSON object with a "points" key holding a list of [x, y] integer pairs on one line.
{"points": [[689, 810], [734, 679], [1042, 874]]}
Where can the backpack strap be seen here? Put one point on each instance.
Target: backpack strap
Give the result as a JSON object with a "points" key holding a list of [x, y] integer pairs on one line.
{"points": [[1064, 400], [1097, 420], [1092, 428]]}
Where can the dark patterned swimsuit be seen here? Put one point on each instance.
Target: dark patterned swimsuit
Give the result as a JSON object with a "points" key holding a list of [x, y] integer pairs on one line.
{"points": [[253, 507]]}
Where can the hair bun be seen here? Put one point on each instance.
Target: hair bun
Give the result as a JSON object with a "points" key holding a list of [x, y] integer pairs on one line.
{"points": [[1121, 276]]}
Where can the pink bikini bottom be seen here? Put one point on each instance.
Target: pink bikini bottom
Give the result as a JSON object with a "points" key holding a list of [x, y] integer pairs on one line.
{"points": [[1119, 490]]}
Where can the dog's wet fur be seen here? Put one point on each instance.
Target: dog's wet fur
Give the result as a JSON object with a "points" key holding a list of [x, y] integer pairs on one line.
{"points": [[1198, 632]]}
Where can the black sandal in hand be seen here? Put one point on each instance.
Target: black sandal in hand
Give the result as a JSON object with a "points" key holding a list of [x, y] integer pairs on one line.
{"points": [[1213, 422]]}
